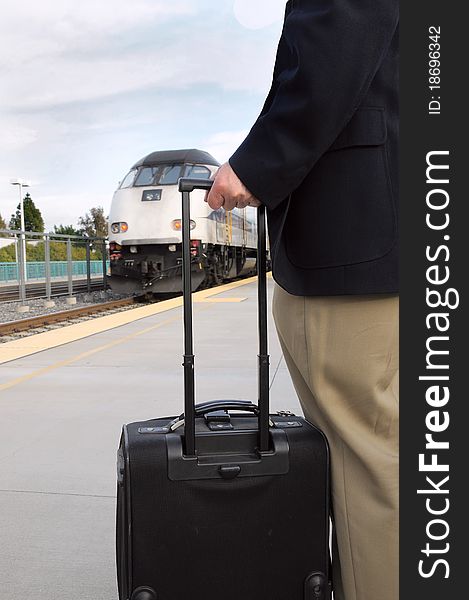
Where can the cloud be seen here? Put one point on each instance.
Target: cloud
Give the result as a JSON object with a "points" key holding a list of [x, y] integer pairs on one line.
{"points": [[15, 136], [68, 52], [66, 23], [61, 51], [222, 145], [256, 14]]}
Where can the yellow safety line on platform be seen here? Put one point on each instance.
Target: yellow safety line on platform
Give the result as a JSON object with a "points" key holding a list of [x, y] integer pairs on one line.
{"points": [[71, 333]]}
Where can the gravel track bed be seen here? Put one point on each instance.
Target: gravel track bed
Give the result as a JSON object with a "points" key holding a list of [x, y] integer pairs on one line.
{"points": [[9, 310]]}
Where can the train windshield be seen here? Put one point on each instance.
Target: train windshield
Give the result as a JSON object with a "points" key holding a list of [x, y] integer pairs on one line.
{"points": [[159, 175], [163, 175]]}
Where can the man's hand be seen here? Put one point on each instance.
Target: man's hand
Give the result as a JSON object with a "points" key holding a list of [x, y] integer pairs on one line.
{"points": [[229, 191]]}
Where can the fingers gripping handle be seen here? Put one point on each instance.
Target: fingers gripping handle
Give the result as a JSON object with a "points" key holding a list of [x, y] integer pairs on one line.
{"points": [[186, 186]]}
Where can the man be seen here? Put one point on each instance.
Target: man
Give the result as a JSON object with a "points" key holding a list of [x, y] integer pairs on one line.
{"points": [[323, 158]]}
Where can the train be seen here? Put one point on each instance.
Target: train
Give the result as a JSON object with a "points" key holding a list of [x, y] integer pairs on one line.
{"points": [[145, 237]]}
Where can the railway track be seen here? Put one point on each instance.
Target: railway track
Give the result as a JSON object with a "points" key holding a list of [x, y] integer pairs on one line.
{"points": [[43, 321]]}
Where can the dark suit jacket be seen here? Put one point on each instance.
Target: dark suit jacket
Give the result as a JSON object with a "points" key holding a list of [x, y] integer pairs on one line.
{"points": [[323, 154]]}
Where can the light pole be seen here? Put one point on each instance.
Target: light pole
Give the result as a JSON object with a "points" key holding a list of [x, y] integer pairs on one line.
{"points": [[21, 183]]}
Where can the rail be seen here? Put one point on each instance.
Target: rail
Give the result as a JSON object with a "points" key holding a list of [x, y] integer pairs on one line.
{"points": [[13, 327]]}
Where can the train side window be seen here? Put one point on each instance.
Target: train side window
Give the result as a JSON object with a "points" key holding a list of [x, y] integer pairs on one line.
{"points": [[128, 179], [198, 172]]}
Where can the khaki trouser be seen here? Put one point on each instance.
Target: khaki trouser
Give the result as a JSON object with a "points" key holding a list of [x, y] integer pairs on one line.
{"points": [[343, 356]]}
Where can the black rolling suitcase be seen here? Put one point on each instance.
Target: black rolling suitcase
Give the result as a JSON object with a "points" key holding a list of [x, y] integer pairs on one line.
{"points": [[225, 502]]}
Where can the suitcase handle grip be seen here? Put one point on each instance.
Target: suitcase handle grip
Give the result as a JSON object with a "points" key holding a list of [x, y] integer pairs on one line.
{"points": [[209, 407], [186, 186], [243, 405], [215, 404], [189, 184]]}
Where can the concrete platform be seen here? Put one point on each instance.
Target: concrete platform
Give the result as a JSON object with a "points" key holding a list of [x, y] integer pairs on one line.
{"points": [[61, 411]]}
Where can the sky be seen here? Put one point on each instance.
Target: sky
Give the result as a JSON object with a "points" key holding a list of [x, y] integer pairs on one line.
{"points": [[87, 88]]}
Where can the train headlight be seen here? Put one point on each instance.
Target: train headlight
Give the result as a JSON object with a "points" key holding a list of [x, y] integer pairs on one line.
{"points": [[177, 224], [121, 227], [133, 249]]}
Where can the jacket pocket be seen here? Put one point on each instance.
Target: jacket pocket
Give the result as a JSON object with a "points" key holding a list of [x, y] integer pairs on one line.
{"points": [[366, 128], [343, 212]]}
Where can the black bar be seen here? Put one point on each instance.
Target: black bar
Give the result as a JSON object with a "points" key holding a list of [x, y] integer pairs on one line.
{"points": [[88, 266], [434, 292], [104, 266], [263, 374], [189, 391]]}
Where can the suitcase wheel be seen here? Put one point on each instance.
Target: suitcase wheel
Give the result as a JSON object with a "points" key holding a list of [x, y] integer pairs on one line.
{"points": [[144, 593]]}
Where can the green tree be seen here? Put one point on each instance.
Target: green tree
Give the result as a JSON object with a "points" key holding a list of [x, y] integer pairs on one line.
{"points": [[66, 230], [58, 252], [33, 220], [7, 253], [3, 225], [94, 223]]}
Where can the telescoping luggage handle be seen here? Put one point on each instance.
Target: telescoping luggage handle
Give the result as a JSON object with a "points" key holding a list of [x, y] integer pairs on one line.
{"points": [[186, 186]]}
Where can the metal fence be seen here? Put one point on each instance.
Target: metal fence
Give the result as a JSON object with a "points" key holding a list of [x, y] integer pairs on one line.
{"points": [[58, 269], [42, 265]]}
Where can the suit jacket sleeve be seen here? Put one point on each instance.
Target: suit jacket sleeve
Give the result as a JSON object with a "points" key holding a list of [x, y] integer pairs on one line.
{"points": [[333, 49]]}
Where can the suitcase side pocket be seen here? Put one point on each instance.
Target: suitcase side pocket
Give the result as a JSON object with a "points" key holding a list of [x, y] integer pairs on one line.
{"points": [[122, 525]]}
